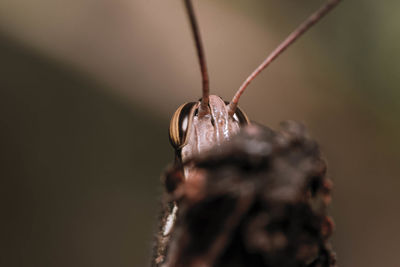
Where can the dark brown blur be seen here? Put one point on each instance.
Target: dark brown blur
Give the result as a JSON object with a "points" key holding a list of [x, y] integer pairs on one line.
{"points": [[87, 89]]}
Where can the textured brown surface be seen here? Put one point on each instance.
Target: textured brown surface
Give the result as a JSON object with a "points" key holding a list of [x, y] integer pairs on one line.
{"points": [[259, 200]]}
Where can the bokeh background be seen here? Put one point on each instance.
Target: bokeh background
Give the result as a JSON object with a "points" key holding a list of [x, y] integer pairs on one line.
{"points": [[87, 89]]}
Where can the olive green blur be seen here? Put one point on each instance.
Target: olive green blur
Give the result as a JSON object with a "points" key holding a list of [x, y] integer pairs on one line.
{"points": [[87, 89]]}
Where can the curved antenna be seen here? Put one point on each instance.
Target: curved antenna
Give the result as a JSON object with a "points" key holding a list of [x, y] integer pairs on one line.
{"points": [[203, 109], [307, 24]]}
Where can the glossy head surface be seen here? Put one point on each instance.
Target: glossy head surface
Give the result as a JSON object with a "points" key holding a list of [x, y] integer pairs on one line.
{"points": [[191, 134]]}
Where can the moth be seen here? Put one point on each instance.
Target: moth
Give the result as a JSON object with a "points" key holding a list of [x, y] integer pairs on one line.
{"points": [[260, 181]]}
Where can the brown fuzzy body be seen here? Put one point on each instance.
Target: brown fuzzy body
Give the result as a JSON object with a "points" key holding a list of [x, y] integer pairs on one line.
{"points": [[258, 200]]}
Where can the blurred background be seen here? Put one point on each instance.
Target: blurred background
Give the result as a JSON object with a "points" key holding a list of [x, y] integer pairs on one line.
{"points": [[87, 89]]}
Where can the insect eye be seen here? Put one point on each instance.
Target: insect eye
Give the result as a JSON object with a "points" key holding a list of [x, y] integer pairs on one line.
{"points": [[241, 117], [180, 124]]}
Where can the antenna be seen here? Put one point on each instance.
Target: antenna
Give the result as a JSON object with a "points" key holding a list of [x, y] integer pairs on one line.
{"points": [[203, 109], [306, 25]]}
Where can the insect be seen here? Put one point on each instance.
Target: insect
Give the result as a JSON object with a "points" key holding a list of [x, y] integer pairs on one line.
{"points": [[197, 127]]}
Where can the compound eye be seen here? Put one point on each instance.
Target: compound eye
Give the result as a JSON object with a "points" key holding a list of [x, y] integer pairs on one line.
{"points": [[241, 117], [180, 124]]}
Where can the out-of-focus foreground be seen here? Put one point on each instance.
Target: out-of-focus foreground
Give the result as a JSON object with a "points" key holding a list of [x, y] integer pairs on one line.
{"points": [[87, 89]]}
